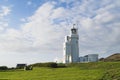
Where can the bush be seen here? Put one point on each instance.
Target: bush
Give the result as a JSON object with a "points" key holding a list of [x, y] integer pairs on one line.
{"points": [[50, 64], [61, 65], [12, 68], [28, 68], [3, 68]]}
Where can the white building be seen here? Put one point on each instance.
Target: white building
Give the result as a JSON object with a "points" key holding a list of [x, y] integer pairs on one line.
{"points": [[89, 58], [71, 47], [92, 57]]}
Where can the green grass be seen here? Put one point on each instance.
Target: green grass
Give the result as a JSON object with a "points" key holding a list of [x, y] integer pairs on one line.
{"points": [[52, 74], [112, 74], [82, 71], [97, 65]]}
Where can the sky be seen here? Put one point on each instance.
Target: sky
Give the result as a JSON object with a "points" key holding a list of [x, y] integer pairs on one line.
{"points": [[33, 31]]}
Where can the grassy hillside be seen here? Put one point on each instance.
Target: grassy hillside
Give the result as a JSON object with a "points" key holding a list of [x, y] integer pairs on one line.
{"points": [[82, 71], [114, 57], [52, 74], [112, 74], [96, 65]]}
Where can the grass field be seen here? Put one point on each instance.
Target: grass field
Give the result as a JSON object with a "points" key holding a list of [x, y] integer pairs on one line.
{"points": [[83, 71]]}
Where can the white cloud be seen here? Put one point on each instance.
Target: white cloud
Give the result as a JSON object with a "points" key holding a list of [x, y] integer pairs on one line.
{"points": [[97, 32], [4, 11], [23, 20], [44, 31], [58, 13], [37, 35]]}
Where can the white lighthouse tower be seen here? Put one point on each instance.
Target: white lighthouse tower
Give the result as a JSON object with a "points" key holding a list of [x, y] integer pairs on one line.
{"points": [[71, 47]]}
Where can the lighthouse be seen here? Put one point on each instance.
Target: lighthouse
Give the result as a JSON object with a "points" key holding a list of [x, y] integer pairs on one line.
{"points": [[71, 47]]}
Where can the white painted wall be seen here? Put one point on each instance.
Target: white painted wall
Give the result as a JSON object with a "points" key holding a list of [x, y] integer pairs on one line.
{"points": [[71, 47]]}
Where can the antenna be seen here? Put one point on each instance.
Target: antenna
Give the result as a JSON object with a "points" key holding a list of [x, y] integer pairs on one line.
{"points": [[74, 25]]}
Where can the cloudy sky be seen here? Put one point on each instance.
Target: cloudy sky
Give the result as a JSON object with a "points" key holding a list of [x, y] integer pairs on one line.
{"points": [[33, 30]]}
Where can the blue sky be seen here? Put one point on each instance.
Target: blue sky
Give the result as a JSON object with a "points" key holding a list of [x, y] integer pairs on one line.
{"points": [[33, 31]]}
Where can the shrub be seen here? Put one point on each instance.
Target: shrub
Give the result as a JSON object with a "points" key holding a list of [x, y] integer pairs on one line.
{"points": [[52, 65], [3, 68], [61, 65], [12, 68], [28, 68], [49, 64]]}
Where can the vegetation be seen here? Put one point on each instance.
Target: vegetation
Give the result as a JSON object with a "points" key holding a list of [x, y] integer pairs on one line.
{"points": [[49, 64], [3, 68], [112, 74], [28, 68], [78, 71], [96, 65], [112, 58], [52, 74]]}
